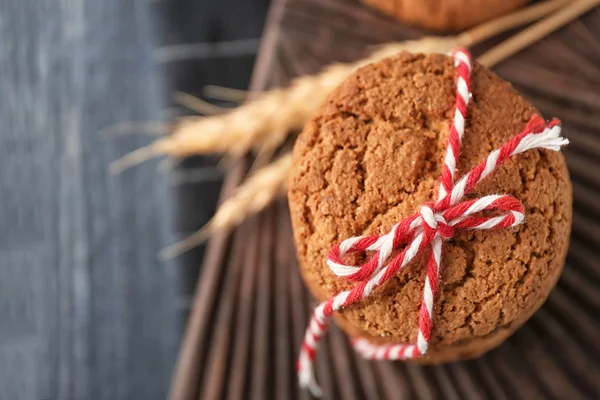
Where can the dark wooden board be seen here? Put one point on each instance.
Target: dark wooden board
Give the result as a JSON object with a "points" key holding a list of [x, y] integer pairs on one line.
{"points": [[243, 336], [200, 43], [86, 309]]}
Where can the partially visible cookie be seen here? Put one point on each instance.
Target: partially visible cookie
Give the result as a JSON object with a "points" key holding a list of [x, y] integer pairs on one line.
{"points": [[373, 155], [445, 15]]}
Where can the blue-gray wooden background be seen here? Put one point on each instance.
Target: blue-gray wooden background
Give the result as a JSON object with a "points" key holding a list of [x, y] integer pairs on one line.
{"points": [[86, 310]]}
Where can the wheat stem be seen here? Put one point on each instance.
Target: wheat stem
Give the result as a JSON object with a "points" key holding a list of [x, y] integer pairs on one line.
{"points": [[135, 157], [509, 21], [197, 104], [534, 33], [258, 191], [226, 94]]}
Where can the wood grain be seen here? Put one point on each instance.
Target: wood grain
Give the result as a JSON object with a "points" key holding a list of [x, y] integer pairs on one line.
{"points": [[86, 310], [555, 355]]}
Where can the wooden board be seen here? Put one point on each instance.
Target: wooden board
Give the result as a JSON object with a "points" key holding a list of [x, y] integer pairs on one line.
{"points": [[86, 309], [201, 42], [251, 307]]}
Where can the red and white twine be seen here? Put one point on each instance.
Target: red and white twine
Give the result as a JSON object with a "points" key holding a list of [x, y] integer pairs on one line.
{"points": [[425, 231]]}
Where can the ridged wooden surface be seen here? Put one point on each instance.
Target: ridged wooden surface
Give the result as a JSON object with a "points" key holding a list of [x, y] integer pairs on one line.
{"points": [[251, 307]]}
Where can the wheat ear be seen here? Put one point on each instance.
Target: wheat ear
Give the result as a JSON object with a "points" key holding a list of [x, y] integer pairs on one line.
{"points": [[264, 123]]}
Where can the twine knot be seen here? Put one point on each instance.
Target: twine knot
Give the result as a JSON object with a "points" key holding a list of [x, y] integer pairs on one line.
{"points": [[425, 232], [436, 222]]}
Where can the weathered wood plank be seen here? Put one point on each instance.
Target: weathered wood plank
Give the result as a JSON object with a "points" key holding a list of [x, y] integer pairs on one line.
{"points": [[86, 310]]}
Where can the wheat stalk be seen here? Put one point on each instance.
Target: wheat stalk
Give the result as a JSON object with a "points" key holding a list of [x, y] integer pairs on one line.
{"points": [[264, 123], [537, 31], [258, 191]]}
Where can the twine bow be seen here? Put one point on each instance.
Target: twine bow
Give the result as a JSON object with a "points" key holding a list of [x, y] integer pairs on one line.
{"points": [[425, 231]]}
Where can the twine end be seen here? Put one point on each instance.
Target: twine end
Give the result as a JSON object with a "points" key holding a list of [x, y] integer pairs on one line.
{"points": [[307, 381]]}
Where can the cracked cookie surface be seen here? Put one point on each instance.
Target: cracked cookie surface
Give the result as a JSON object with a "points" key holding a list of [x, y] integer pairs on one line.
{"points": [[373, 155]]}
